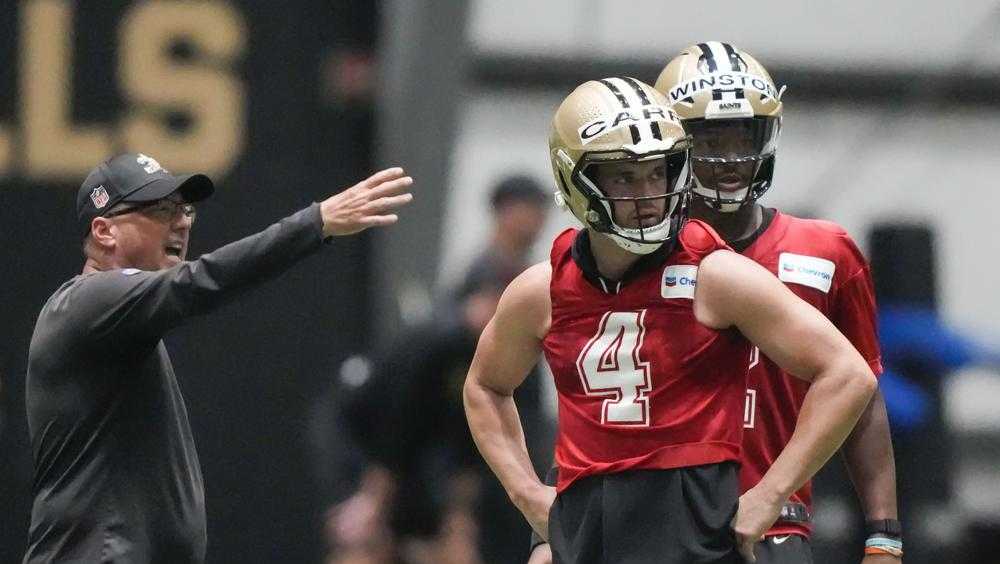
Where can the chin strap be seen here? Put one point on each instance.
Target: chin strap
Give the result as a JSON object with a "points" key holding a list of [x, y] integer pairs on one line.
{"points": [[634, 247]]}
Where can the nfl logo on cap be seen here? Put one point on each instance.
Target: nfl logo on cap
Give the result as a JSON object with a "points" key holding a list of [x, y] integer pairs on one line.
{"points": [[100, 197]]}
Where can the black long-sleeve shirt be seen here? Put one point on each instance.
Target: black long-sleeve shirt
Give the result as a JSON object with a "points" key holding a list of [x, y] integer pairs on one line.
{"points": [[116, 474]]}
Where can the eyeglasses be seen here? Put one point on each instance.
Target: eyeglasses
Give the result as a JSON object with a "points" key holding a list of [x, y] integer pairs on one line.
{"points": [[162, 210]]}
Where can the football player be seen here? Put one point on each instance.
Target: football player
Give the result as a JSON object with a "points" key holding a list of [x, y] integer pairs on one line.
{"points": [[729, 105], [644, 320]]}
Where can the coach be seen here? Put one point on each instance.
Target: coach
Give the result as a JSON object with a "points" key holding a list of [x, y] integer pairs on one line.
{"points": [[116, 473]]}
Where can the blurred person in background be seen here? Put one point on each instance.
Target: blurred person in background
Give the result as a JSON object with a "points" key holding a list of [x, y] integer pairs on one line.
{"points": [[117, 477], [425, 495], [519, 208], [650, 372], [414, 501]]}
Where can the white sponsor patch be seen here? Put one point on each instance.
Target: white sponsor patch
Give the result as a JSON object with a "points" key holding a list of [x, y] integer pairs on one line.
{"points": [[131, 271], [809, 271], [679, 281], [624, 118]]}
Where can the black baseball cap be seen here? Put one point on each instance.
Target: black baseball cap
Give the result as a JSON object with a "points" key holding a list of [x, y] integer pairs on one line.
{"points": [[133, 177]]}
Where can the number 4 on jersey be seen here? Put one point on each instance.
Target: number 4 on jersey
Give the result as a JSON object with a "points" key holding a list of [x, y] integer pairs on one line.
{"points": [[609, 365]]}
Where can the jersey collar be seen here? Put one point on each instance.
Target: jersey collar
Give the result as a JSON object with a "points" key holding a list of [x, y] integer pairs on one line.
{"points": [[743, 244], [584, 259]]}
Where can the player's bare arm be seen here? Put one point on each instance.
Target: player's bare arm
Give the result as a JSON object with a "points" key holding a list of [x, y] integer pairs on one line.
{"points": [[870, 462], [733, 291], [368, 203], [508, 349]]}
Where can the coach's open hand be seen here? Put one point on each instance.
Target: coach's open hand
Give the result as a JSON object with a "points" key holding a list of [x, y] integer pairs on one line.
{"points": [[368, 203], [756, 513]]}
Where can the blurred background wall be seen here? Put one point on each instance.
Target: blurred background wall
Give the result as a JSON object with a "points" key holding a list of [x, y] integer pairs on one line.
{"points": [[892, 127]]}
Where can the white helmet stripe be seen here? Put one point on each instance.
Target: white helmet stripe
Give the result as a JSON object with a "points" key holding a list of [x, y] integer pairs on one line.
{"points": [[721, 56], [616, 89], [637, 99], [734, 57], [634, 101], [654, 127]]}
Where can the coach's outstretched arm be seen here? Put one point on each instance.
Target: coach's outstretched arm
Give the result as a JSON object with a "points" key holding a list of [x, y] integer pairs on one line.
{"points": [[733, 291], [144, 305], [508, 349]]}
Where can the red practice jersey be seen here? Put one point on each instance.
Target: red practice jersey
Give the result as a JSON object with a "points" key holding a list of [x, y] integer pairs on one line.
{"points": [[641, 383], [820, 263]]}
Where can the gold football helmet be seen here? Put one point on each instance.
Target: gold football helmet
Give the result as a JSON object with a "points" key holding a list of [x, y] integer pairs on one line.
{"points": [[620, 159], [728, 103]]}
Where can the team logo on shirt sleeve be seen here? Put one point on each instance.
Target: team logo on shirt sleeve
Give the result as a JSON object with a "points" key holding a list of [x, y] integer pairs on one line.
{"points": [[679, 281], [809, 271]]}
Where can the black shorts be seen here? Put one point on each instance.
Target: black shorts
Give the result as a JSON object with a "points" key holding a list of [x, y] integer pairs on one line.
{"points": [[784, 549], [679, 516]]}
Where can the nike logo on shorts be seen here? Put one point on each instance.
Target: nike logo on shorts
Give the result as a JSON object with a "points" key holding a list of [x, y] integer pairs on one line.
{"points": [[779, 540]]}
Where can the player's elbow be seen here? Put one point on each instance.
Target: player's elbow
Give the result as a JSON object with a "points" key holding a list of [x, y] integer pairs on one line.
{"points": [[478, 402], [849, 376], [474, 394], [471, 392], [859, 380], [869, 382]]}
